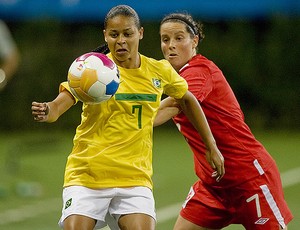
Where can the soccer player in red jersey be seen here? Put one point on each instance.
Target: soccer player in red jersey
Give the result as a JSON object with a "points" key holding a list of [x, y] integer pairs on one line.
{"points": [[250, 193]]}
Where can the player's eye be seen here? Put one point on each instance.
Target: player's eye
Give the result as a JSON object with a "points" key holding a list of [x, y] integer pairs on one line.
{"points": [[165, 39], [113, 35], [128, 34]]}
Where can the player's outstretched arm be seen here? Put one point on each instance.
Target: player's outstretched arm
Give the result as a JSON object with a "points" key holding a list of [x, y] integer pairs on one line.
{"points": [[51, 111], [192, 109], [168, 108]]}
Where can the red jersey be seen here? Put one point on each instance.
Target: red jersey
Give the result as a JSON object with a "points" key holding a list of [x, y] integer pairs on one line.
{"points": [[245, 157]]}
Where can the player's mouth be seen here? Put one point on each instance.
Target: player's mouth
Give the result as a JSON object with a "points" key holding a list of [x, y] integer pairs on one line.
{"points": [[172, 55], [121, 51]]}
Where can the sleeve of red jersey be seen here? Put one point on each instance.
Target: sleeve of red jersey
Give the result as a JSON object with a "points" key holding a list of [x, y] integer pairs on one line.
{"points": [[199, 81]]}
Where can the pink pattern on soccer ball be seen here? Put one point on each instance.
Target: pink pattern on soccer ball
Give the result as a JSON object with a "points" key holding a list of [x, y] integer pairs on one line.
{"points": [[105, 60]]}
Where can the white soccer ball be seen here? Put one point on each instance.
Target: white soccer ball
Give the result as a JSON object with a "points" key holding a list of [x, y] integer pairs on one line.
{"points": [[93, 78]]}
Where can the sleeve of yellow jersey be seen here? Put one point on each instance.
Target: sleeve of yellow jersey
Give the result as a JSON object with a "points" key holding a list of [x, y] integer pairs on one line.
{"points": [[65, 86], [177, 85]]}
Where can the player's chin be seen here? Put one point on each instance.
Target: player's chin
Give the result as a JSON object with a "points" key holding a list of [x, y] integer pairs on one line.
{"points": [[173, 59]]}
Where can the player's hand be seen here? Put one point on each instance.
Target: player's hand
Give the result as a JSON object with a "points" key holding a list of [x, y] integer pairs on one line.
{"points": [[40, 111], [216, 160]]}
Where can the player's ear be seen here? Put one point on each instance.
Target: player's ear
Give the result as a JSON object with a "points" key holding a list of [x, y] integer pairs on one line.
{"points": [[141, 32], [195, 41], [104, 32]]}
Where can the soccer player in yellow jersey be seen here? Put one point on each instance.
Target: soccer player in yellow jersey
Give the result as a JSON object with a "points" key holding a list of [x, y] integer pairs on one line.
{"points": [[108, 173]]}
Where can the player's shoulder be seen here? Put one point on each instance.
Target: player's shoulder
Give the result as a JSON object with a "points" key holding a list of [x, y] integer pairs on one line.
{"points": [[162, 63], [199, 62]]}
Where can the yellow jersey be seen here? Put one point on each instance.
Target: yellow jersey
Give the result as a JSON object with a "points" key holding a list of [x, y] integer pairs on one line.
{"points": [[113, 143]]}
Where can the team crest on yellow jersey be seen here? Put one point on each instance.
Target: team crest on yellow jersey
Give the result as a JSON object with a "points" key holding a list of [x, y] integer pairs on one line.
{"points": [[156, 83]]}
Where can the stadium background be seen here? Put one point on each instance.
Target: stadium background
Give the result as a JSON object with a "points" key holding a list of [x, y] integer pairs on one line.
{"points": [[255, 42]]}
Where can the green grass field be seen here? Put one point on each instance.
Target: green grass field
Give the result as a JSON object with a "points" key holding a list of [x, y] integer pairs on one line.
{"points": [[32, 167]]}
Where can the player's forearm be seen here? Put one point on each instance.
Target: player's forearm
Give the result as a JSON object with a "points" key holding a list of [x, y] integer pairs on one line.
{"points": [[59, 106], [192, 109], [168, 108], [165, 114], [52, 110]]}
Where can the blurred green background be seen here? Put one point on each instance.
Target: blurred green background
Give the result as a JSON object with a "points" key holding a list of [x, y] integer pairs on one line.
{"points": [[259, 56]]}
